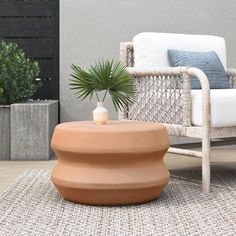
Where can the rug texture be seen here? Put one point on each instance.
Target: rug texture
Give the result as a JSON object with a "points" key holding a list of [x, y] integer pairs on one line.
{"points": [[32, 206]]}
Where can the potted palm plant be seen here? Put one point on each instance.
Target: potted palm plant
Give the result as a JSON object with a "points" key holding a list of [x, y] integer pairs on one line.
{"points": [[17, 84], [101, 79]]}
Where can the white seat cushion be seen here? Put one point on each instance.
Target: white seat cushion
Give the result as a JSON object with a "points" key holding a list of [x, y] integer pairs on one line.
{"points": [[223, 107], [150, 49]]}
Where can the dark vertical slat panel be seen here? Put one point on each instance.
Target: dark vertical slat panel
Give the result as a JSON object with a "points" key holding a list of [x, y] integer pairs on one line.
{"points": [[36, 47], [46, 75], [26, 8], [26, 27], [56, 59], [45, 90], [34, 26], [46, 68]]}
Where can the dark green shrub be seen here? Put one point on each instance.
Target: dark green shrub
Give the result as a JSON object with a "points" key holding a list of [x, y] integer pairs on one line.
{"points": [[17, 74]]}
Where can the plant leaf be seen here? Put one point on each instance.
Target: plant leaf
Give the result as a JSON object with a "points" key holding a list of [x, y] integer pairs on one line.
{"points": [[104, 76]]}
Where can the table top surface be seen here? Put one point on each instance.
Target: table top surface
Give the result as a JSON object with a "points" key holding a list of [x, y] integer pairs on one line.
{"points": [[113, 137], [110, 126]]}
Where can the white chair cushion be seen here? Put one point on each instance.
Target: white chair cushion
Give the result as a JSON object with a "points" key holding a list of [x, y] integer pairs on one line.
{"points": [[223, 107], [150, 49]]}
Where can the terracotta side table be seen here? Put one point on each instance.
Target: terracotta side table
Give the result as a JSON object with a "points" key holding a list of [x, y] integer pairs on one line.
{"points": [[119, 163]]}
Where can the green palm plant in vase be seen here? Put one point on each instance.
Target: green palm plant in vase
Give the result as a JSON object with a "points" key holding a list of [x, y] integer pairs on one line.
{"points": [[108, 76]]}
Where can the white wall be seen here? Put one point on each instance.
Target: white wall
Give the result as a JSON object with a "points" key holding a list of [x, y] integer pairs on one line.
{"points": [[93, 29]]}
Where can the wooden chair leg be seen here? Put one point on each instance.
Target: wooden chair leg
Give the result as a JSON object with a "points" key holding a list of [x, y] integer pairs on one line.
{"points": [[206, 166]]}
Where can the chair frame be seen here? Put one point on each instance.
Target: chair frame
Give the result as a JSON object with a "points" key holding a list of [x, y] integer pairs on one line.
{"points": [[184, 128]]}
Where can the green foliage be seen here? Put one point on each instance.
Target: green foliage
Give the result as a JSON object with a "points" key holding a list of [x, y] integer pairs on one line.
{"points": [[111, 77], [17, 74]]}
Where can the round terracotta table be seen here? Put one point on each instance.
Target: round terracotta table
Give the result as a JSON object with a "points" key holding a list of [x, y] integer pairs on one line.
{"points": [[119, 163]]}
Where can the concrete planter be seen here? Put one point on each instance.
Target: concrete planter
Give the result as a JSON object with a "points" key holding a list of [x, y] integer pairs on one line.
{"points": [[5, 132], [32, 126]]}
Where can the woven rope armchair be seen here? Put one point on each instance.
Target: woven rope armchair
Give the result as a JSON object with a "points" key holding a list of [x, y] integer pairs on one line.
{"points": [[164, 95]]}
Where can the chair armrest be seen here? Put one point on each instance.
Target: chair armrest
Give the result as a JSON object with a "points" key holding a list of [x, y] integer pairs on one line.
{"points": [[231, 72], [164, 95]]}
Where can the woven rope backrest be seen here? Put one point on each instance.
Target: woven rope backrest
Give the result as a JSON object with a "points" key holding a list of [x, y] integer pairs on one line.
{"points": [[159, 98], [157, 101], [130, 57], [232, 78]]}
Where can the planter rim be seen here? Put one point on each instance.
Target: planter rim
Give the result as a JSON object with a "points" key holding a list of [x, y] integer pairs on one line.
{"points": [[5, 106], [31, 102]]}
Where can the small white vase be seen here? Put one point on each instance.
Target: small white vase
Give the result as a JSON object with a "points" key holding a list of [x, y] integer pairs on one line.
{"points": [[100, 114]]}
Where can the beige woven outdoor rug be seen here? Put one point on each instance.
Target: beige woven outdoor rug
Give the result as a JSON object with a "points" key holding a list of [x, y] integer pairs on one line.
{"points": [[32, 206]]}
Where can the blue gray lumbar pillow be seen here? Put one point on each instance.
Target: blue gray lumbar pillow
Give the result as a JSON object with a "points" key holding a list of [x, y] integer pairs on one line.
{"points": [[208, 62]]}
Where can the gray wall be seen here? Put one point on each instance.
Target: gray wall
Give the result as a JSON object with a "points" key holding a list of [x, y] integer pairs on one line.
{"points": [[93, 29]]}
